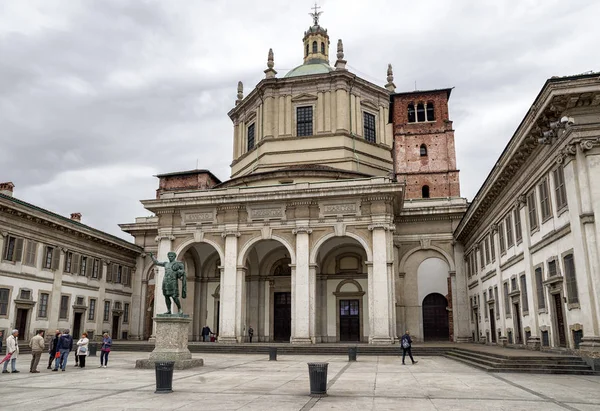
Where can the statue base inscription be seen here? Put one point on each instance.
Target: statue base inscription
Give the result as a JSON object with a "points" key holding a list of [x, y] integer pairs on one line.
{"points": [[171, 343]]}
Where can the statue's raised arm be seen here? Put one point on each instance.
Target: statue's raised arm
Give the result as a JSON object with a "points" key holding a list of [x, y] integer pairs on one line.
{"points": [[156, 262]]}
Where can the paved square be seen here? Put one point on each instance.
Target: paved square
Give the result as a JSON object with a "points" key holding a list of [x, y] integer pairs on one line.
{"points": [[251, 382]]}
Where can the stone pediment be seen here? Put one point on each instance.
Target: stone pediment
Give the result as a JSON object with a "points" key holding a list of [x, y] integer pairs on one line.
{"points": [[304, 97], [369, 104]]}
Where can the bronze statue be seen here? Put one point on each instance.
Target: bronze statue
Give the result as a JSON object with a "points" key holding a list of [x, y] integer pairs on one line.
{"points": [[170, 285]]}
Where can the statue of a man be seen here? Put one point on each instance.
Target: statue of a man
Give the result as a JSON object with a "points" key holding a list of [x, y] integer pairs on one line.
{"points": [[170, 285]]}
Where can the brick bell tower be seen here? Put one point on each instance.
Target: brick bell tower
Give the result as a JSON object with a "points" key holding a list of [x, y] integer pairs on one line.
{"points": [[424, 156]]}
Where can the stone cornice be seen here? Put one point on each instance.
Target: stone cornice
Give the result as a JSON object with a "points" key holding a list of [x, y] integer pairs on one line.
{"points": [[230, 233], [300, 230], [382, 226]]}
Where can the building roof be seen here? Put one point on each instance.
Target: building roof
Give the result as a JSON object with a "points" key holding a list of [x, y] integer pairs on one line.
{"points": [[73, 223], [188, 172], [310, 68], [408, 93]]}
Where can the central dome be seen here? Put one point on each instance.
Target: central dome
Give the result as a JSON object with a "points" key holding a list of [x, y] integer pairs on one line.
{"points": [[309, 68]]}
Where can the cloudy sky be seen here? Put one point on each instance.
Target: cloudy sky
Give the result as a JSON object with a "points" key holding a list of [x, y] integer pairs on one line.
{"points": [[98, 96]]}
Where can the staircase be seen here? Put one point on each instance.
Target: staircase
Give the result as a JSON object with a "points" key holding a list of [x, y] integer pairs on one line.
{"points": [[550, 364]]}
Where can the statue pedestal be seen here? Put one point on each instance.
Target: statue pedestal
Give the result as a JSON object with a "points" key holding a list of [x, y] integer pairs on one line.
{"points": [[171, 343]]}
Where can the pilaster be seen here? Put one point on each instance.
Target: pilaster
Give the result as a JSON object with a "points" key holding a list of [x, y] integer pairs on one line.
{"points": [[230, 315], [303, 290], [56, 294], [379, 286]]}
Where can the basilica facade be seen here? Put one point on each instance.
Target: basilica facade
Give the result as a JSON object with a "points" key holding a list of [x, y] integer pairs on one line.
{"points": [[336, 224]]}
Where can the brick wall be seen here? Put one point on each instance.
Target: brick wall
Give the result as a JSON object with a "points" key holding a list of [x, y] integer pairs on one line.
{"points": [[200, 180], [438, 168]]}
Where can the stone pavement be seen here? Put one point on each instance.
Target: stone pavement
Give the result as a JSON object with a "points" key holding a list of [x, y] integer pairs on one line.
{"points": [[251, 382]]}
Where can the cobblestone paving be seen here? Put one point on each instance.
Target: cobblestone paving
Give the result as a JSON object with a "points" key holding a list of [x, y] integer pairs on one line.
{"points": [[251, 382]]}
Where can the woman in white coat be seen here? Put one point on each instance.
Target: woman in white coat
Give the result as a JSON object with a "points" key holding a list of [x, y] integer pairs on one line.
{"points": [[12, 346], [82, 349]]}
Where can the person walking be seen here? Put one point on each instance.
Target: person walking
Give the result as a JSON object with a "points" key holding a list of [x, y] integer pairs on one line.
{"points": [[250, 333], [82, 349], [206, 333], [406, 343], [12, 347], [52, 348], [105, 350], [63, 348], [37, 346]]}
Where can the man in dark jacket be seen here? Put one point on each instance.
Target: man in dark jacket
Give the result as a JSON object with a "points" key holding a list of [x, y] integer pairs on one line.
{"points": [[52, 348], [406, 343], [64, 347], [206, 333]]}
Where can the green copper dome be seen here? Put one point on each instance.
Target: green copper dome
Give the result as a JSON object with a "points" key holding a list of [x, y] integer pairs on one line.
{"points": [[309, 69]]}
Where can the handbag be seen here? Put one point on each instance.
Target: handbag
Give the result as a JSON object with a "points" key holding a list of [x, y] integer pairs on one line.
{"points": [[57, 355], [82, 350]]}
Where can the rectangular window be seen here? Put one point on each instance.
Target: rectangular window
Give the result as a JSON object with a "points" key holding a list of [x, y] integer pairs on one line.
{"points": [[509, 231], [482, 261], [31, 253], [43, 305], [304, 121], [64, 307], [506, 301], [95, 268], [572, 294], [251, 129], [126, 313], [501, 237], [552, 268], [524, 302], [106, 311], [532, 208], [559, 188], [518, 230], [4, 292], [48, 257], [487, 250], [492, 247], [369, 127], [485, 307], [545, 200], [92, 310], [513, 284], [13, 250], [68, 261], [83, 265], [497, 302], [539, 285], [545, 339], [119, 278]]}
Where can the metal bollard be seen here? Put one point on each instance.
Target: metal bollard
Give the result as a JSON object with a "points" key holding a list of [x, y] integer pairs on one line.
{"points": [[352, 353], [164, 377], [317, 373], [272, 353]]}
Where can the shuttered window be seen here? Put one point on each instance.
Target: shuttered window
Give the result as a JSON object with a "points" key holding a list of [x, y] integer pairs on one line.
{"points": [[539, 285], [532, 208], [559, 188], [524, 302], [572, 294], [31, 253]]}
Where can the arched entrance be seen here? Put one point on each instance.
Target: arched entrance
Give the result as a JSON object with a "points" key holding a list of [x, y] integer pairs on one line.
{"points": [[435, 318]]}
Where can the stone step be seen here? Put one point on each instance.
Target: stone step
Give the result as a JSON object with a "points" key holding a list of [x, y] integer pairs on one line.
{"points": [[568, 360]]}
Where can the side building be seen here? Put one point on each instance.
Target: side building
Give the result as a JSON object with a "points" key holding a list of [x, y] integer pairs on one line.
{"points": [[56, 272], [529, 238]]}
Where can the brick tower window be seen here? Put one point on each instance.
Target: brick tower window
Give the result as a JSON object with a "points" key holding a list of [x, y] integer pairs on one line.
{"points": [[420, 112], [315, 49], [411, 113], [425, 191], [423, 150], [430, 112], [322, 48], [307, 49]]}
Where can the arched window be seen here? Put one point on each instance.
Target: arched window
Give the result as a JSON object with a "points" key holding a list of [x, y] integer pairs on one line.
{"points": [[322, 48], [425, 191], [420, 112], [411, 113], [423, 150], [430, 112], [306, 49], [315, 49]]}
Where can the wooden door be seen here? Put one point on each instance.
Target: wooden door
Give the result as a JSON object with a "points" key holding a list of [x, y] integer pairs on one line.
{"points": [[435, 318], [493, 324], [282, 316], [21, 322], [349, 320], [517, 314], [560, 321]]}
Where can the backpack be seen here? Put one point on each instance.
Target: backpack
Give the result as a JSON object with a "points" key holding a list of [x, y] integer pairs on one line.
{"points": [[405, 343]]}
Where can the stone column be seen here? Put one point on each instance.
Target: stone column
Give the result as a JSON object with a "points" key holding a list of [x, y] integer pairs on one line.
{"points": [[342, 110], [240, 318], [230, 315], [197, 322], [137, 301], [379, 287], [460, 298], [56, 296], [303, 288]]}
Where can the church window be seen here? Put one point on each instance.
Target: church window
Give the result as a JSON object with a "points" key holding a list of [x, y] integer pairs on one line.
{"points": [[420, 112], [430, 112], [423, 150], [411, 113], [306, 54], [369, 127], [322, 48], [251, 129], [315, 50], [304, 121], [425, 191]]}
